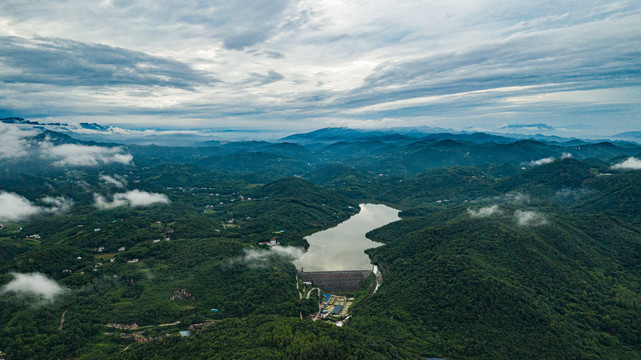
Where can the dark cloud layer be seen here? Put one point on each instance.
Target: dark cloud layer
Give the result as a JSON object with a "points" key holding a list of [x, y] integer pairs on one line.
{"points": [[521, 62], [270, 77], [63, 62], [297, 64]]}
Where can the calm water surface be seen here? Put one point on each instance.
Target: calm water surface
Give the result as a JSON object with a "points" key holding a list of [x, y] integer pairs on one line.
{"points": [[342, 247]]}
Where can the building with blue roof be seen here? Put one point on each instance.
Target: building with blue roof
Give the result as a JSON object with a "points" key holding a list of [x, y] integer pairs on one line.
{"points": [[337, 310]]}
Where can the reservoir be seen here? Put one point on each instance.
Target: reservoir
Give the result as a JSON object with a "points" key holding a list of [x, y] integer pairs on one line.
{"points": [[342, 247]]}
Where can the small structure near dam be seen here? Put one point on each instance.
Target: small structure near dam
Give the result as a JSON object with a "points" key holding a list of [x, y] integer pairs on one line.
{"points": [[336, 281]]}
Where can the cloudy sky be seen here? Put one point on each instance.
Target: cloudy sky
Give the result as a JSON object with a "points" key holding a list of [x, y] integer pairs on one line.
{"points": [[299, 65]]}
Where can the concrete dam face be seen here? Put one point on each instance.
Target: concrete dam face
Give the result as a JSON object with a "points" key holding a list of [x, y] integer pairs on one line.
{"points": [[336, 281]]}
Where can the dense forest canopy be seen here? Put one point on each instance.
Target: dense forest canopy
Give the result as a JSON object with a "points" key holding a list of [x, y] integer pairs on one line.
{"points": [[507, 248]]}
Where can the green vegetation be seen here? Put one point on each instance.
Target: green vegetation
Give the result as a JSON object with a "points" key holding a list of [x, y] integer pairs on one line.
{"points": [[488, 288], [178, 246], [494, 258], [269, 338]]}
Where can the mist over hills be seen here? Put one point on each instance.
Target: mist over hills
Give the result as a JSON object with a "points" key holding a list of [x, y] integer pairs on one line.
{"points": [[506, 248], [173, 175], [206, 136]]}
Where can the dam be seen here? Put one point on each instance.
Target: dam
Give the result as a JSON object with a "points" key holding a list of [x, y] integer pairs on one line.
{"points": [[336, 281], [336, 260]]}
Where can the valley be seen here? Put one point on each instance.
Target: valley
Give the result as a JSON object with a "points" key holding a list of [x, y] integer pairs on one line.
{"points": [[320, 180], [500, 248]]}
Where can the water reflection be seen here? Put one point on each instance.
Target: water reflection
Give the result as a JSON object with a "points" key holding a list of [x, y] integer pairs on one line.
{"points": [[342, 247]]}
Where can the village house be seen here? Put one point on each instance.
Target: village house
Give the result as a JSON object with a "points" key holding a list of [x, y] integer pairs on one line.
{"points": [[133, 326], [140, 337]]}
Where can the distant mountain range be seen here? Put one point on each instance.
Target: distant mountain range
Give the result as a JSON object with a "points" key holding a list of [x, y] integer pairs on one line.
{"points": [[328, 135], [508, 247], [397, 135], [629, 135]]}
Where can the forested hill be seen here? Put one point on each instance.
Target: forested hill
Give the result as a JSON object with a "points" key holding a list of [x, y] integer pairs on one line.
{"points": [[166, 263], [393, 153], [506, 248], [270, 338], [560, 286]]}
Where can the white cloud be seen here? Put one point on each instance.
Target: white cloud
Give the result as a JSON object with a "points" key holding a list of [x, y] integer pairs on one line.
{"points": [[568, 193], [133, 198], [549, 160], [116, 180], [57, 204], [485, 211], [630, 163], [516, 197], [33, 284], [529, 218], [290, 252], [17, 142], [257, 258], [14, 141], [378, 57], [543, 161], [14, 207], [83, 155], [102, 203]]}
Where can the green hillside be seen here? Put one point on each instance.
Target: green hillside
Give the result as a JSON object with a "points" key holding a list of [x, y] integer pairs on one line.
{"points": [[547, 179], [507, 249], [617, 194], [269, 338], [487, 288]]}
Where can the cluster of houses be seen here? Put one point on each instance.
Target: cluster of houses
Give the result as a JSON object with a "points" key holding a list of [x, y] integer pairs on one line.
{"points": [[123, 326], [181, 294], [334, 306], [200, 326], [101, 249], [140, 337], [122, 249]]}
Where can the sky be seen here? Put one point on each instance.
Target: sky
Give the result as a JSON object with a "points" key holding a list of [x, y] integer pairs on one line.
{"points": [[574, 66]]}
